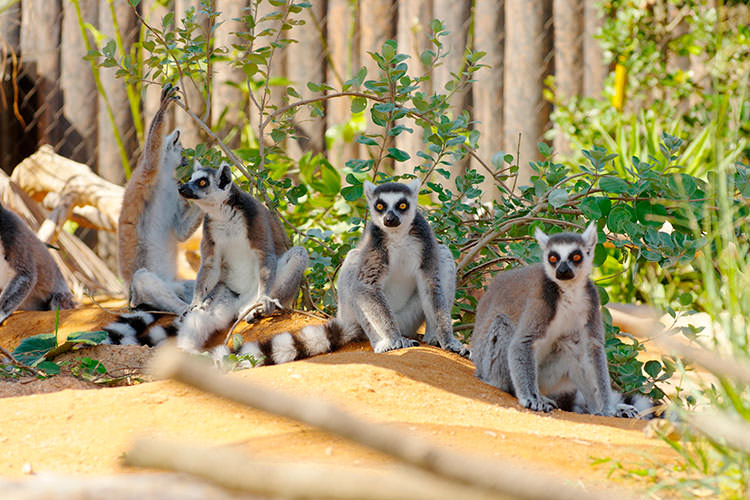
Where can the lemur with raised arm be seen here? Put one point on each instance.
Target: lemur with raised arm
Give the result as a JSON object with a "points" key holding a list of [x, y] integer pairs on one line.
{"points": [[29, 277], [245, 265], [539, 335], [397, 277], [154, 218]]}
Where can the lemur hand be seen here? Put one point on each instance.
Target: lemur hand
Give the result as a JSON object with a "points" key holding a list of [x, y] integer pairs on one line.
{"points": [[263, 307]]}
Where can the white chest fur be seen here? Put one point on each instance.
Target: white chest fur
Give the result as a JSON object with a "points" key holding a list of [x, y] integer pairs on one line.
{"points": [[240, 263], [571, 315], [6, 272], [400, 282]]}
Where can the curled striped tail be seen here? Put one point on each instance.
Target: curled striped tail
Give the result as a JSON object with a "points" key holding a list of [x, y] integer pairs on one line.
{"points": [[285, 347], [138, 328]]}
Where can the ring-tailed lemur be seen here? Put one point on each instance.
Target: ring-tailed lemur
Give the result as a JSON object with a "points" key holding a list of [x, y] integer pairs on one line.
{"points": [[398, 277], [154, 218], [539, 333], [244, 263], [29, 277]]}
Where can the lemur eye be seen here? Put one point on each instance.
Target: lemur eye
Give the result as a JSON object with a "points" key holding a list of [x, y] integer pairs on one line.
{"points": [[379, 206], [576, 257], [202, 183], [553, 259], [402, 205]]}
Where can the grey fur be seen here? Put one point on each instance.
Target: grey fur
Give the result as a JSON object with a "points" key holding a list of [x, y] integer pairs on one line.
{"points": [[539, 333]]}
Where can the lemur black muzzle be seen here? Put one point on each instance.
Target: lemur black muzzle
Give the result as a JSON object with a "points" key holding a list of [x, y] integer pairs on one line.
{"points": [[564, 272], [391, 220], [187, 192]]}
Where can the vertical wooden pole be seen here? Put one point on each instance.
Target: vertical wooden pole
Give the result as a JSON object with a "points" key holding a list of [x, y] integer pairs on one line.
{"points": [[343, 51], [568, 16], [305, 62], [594, 68], [108, 154], [413, 38], [228, 103], [191, 132], [527, 57], [153, 12], [78, 86], [455, 14], [40, 43], [487, 90], [10, 129], [376, 22]]}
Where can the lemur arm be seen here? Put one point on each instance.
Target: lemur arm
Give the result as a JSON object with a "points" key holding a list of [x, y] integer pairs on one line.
{"points": [[155, 138], [17, 289], [189, 217], [209, 272], [437, 306]]}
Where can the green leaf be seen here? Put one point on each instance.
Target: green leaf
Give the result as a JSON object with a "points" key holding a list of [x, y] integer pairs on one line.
{"points": [[652, 367], [398, 154], [590, 208], [358, 104], [613, 185], [557, 197], [352, 193], [32, 350], [618, 216], [389, 50], [76, 339], [367, 141], [49, 367]]}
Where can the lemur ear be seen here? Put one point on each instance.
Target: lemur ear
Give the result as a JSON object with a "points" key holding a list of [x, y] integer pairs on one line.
{"points": [[541, 238], [369, 189], [414, 186], [225, 176], [589, 236]]}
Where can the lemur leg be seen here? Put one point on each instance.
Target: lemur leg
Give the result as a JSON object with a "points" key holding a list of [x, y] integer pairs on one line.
{"points": [[410, 317], [149, 288], [217, 312], [437, 294], [290, 269], [377, 321], [14, 293], [490, 356], [523, 372], [591, 377]]}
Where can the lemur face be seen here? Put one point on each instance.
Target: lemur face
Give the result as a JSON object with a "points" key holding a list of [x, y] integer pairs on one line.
{"points": [[207, 186], [567, 256], [392, 205], [173, 149]]}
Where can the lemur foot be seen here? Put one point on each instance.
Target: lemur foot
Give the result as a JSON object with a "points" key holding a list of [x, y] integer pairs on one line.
{"points": [[265, 306], [457, 347], [626, 411], [386, 345], [537, 402]]}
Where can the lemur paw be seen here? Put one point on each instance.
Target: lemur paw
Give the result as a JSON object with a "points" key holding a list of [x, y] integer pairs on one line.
{"points": [[265, 306], [537, 402], [626, 411], [169, 93], [386, 345], [457, 347]]}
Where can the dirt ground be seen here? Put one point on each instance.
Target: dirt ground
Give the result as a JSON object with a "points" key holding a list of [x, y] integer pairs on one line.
{"points": [[61, 426]]}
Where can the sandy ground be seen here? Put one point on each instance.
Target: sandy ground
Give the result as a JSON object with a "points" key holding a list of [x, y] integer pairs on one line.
{"points": [[424, 390]]}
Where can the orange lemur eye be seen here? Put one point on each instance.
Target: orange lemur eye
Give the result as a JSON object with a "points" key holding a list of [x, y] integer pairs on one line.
{"points": [[202, 182], [402, 206], [576, 257], [379, 206], [553, 259]]}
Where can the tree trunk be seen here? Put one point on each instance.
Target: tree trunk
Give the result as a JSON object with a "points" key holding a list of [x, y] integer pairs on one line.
{"points": [[343, 51], [78, 86], [594, 68], [305, 62], [413, 38], [487, 90], [11, 129], [527, 61], [568, 57]]}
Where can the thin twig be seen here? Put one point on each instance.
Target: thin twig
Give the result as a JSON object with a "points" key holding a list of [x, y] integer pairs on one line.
{"points": [[17, 363]]}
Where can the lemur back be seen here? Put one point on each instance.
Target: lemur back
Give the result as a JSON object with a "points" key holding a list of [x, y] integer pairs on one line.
{"points": [[539, 334], [29, 277], [396, 278]]}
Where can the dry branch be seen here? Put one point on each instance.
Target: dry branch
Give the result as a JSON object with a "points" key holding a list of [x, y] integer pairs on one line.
{"points": [[498, 477], [46, 176], [235, 470]]}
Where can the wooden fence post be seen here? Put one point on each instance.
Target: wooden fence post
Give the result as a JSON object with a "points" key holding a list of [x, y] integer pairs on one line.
{"points": [[568, 15], [456, 15], [376, 26], [526, 63], [594, 68], [305, 62], [487, 90], [343, 52], [40, 42], [77, 82], [413, 38], [10, 128]]}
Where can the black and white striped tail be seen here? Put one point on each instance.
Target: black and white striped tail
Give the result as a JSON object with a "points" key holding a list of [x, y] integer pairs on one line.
{"points": [[137, 328], [285, 347]]}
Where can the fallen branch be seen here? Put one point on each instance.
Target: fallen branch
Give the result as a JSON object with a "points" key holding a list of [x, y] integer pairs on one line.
{"points": [[498, 477], [236, 470]]}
